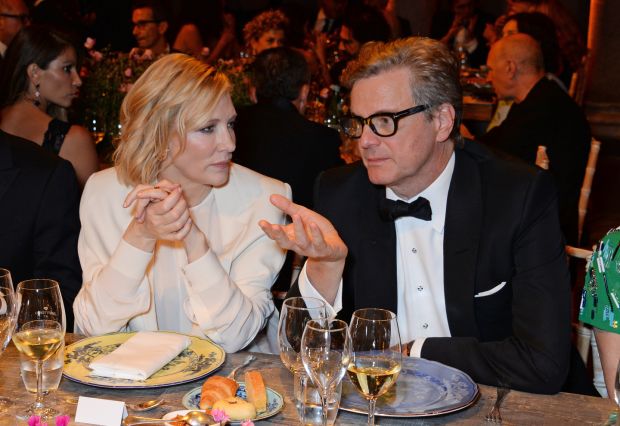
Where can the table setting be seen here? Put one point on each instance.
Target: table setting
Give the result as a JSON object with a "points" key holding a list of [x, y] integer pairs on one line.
{"points": [[329, 373]]}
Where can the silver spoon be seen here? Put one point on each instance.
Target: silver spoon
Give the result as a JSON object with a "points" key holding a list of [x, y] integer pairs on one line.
{"points": [[246, 361], [192, 418], [146, 405]]}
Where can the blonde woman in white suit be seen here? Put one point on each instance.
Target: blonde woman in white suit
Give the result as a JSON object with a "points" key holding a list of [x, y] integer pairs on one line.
{"points": [[169, 237]]}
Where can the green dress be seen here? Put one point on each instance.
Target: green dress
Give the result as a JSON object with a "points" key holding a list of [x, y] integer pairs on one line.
{"points": [[600, 298]]}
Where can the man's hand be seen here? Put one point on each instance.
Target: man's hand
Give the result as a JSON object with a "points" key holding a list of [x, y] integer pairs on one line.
{"points": [[313, 236]]}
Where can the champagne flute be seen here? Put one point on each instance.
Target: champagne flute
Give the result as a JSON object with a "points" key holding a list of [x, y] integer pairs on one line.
{"points": [[39, 331], [296, 312], [7, 320], [325, 353], [376, 356]]}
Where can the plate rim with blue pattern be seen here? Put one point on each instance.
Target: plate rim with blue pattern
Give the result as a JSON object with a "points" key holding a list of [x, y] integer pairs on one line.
{"points": [[465, 389]]}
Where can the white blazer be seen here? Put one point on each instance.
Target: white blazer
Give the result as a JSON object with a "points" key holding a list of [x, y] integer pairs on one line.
{"points": [[225, 295]]}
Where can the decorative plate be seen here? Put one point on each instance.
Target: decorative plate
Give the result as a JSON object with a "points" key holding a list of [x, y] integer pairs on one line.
{"points": [[199, 359], [275, 402], [424, 388]]}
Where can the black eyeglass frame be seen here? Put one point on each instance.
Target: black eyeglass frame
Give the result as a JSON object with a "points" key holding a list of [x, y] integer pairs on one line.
{"points": [[144, 22], [24, 17], [395, 116]]}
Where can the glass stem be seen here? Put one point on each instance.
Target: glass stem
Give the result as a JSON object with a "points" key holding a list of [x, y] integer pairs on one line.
{"points": [[38, 402], [303, 382], [325, 405], [371, 411]]}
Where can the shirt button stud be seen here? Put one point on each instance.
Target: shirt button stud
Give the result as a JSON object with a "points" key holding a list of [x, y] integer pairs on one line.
{"points": [[425, 325], [420, 288], [414, 250]]}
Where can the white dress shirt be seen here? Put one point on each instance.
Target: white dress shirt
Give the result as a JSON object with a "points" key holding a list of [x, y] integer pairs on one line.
{"points": [[419, 266]]}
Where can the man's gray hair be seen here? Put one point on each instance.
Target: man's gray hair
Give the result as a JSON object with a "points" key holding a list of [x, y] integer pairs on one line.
{"points": [[433, 68]]}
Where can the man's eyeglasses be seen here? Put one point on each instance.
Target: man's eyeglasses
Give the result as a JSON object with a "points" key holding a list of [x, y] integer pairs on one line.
{"points": [[382, 123], [24, 17], [145, 22]]}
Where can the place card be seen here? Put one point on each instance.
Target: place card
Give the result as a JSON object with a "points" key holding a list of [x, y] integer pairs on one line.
{"points": [[102, 412]]}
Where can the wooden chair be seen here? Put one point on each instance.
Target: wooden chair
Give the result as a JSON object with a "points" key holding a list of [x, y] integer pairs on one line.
{"points": [[584, 196], [542, 161], [577, 87]]}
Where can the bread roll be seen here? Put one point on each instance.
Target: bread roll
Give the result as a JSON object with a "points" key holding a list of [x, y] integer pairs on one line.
{"points": [[236, 408], [216, 388], [255, 390]]}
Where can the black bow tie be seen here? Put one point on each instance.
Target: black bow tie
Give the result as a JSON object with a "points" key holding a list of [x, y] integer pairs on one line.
{"points": [[392, 210]]}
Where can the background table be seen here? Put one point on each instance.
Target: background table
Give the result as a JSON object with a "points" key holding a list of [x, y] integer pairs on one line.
{"points": [[519, 408]]}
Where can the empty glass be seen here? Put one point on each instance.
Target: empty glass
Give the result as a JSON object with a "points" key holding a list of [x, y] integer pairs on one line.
{"points": [[325, 353]]}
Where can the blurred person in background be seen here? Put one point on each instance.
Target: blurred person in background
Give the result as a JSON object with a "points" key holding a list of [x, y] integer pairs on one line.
{"points": [[150, 24], [207, 33], [38, 82], [265, 31], [542, 114], [466, 28], [13, 17]]}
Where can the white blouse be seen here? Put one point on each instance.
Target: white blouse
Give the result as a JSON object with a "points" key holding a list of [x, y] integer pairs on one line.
{"points": [[224, 295]]}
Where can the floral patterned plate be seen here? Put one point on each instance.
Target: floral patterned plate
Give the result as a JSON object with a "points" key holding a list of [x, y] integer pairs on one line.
{"points": [[424, 388], [201, 358], [275, 402]]}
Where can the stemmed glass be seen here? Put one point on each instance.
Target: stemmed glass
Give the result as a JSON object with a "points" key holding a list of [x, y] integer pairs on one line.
{"points": [[325, 353], [7, 319], [40, 330], [296, 312], [376, 356]]}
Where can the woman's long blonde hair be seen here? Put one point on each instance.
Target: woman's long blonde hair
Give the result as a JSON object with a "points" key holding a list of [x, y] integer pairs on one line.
{"points": [[175, 95]]}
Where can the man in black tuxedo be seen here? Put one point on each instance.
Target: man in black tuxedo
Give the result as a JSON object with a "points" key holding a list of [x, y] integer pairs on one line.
{"points": [[40, 223], [542, 114], [477, 274]]}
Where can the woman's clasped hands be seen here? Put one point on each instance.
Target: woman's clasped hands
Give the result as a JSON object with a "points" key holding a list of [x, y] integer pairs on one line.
{"points": [[160, 212]]}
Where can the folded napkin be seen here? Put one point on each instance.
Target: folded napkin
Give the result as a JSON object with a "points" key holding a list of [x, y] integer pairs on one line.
{"points": [[140, 356]]}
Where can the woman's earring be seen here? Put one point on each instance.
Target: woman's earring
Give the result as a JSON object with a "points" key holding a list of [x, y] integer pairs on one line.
{"points": [[37, 96]]}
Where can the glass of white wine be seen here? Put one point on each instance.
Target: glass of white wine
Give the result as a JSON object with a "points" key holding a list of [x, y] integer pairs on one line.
{"points": [[39, 331], [376, 356], [295, 313], [326, 353], [7, 320]]}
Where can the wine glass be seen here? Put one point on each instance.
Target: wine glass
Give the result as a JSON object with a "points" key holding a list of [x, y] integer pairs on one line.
{"points": [[296, 312], [7, 320], [376, 355], [40, 330], [325, 353]]}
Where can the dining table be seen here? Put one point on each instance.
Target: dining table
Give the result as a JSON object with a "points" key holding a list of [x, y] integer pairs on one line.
{"points": [[518, 408]]}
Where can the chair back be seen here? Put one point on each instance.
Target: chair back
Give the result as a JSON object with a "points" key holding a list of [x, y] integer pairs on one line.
{"points": [[584, 196], [577, 87]]}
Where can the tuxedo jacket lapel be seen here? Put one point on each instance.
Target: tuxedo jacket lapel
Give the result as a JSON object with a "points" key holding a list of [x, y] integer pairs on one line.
{"points": [[377, 256], [460, 247]]}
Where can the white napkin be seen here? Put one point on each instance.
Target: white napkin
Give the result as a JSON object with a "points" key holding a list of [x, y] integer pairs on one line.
{"points": [[140, 356]]}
